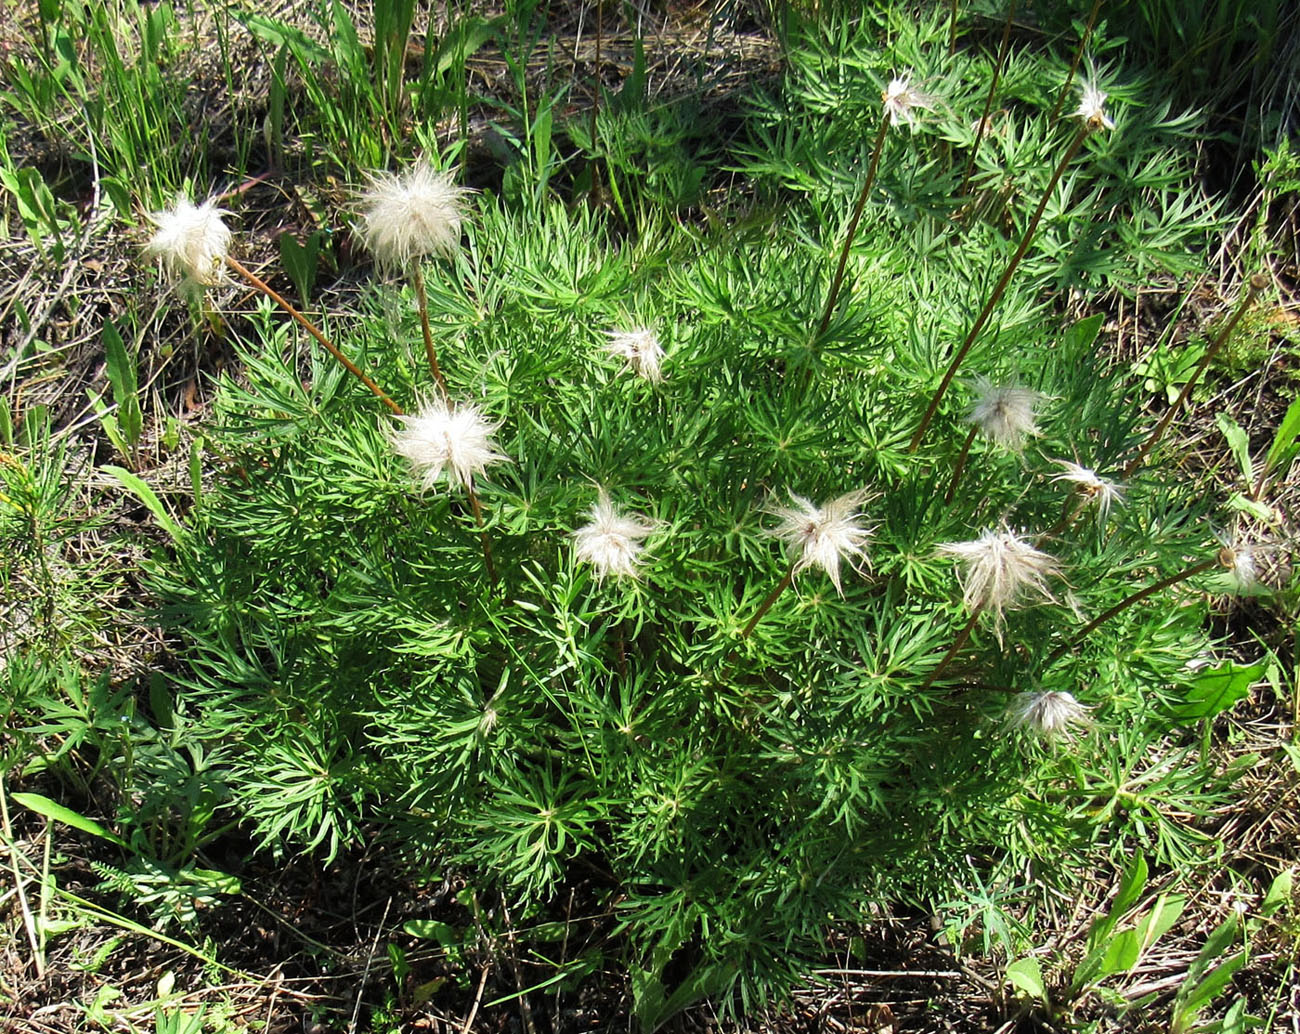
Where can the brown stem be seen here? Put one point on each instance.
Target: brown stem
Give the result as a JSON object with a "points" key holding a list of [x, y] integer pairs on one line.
{"points": [[1072, 508], [1257, 283], [853, 223], [1078, 56], [422, 303], [314, 331], [952, 30], [1124, 604], [961, 466], [477, 507], [1000, 287], [962, 638], [766, 605], [988, 101]]}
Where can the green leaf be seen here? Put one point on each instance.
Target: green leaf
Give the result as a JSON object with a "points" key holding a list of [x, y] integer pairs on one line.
{"points": [[1131, 886], [58, 813], [1213, 691], [1026, 976], [1238, 445], [1286, 443], [123, 376], [431, 930], [1279, 892], [1120, 956], [1082, 334], [301, 261], [137, 487], [463, 39]]}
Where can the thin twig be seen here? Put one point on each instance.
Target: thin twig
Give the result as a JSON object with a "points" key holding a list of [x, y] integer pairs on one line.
{"points": [[766, 605], [422, 303], [988, 101], [477, 507], [853, 223], [1127, 602], [314, 331], [1000, 287], [960, 466], [478, 1000], [29, 923], [962, 637], [1078, 56]]}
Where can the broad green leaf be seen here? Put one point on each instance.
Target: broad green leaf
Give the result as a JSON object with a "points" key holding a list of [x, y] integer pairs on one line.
{"points": [[1026, 975], [1121, 954], [301, 260], [1279, 892], [432, 930], [1213, 691], [137, 487], [1131, 886], [1286, 443], [58, 813], [1238, 445], [1082, 334]]}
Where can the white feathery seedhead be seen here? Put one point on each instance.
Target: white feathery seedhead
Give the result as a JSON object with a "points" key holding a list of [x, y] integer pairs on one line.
{"points": [[902, 101], [1092, 108], [1092, 488], [191, 241], [1238, 559], [408, 215], [640, 348], [1004, 415], [612, 542], [441, 437], [823, 536], [1048, 714], [1000, 570]]}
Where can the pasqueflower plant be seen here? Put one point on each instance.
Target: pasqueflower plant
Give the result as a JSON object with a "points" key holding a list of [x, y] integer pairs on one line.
{"points": [[729, 743]]}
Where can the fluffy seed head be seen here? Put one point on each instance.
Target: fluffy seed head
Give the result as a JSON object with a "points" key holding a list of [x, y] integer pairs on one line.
{"points": [[612, 541], [1000, 570], [640, 348], [1004, 415], [440, 437], [1091, 487], [1239, 560], [191, 241], [407, 215], [822, 536], [1048, 714], [902, 101], [1092, 108]]}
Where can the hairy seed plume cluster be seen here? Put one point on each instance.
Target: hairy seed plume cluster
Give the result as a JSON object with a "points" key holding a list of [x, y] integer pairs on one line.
{"points": [[192, 242], [447, 437], [408, 215], [612, 541], [823, 536]]}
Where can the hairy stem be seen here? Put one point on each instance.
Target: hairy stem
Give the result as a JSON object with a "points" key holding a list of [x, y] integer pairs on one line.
{"points": [[1078, 56], [314, 331], [960, 466], [477, 507], [1127, 602], [766, 605], [1000, 288], [963, 637], [853, 224], [422, 303], [1257, 283], [988, 101]]}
